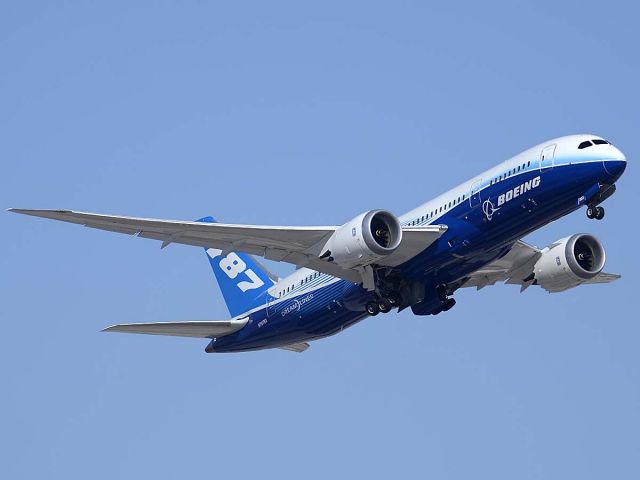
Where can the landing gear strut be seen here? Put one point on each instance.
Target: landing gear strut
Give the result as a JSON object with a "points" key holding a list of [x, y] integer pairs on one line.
{"points": [[595, 212]]}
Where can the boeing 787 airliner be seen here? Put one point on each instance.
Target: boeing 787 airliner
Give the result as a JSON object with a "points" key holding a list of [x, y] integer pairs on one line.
{"points": [[469, 236]]}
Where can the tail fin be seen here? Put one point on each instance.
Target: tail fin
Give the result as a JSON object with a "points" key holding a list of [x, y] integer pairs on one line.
{"points": [[242, 280]]}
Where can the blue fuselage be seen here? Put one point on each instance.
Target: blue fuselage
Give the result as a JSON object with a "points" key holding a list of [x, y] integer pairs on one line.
{"points": [[481, 228]]}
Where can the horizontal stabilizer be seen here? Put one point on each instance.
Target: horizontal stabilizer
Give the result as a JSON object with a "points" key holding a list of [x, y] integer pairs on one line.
{"points": [[198, 329]]}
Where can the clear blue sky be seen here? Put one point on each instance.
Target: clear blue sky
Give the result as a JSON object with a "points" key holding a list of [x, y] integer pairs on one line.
{"points": [[282, 113]]}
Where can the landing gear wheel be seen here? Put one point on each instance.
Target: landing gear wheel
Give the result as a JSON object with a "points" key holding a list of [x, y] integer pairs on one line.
{"points": [[372, 309], [599, 215], [384, 305], [448, 304], [394, 300], [591, 212]]}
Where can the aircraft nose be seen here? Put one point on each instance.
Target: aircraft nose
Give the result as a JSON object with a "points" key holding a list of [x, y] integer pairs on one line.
{"points": [[617, 154], [615, 165]]}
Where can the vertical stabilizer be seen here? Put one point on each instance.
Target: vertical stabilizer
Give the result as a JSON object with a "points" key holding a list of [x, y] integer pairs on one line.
{"points": [[242, 280]]}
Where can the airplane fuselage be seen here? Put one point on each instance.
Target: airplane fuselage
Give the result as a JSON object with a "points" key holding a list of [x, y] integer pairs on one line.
{"points": [[484, 215]]}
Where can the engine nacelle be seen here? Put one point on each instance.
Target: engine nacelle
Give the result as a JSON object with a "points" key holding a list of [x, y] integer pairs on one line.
{"points": [[363, 240], [569, 262]]}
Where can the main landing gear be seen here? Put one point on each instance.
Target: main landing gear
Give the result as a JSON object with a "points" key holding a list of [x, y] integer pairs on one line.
{"points": [[382, 305], [446, 306], [447, 302], [595, 212]]}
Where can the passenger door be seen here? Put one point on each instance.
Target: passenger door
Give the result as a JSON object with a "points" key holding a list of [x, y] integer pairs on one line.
{"points": [[271, 309], [547, 157], [474, 193]]}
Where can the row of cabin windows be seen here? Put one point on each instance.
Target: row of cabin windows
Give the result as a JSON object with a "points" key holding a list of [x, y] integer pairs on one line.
{"points": [[445, 207], [455, 202], [513, 171], [305, 280]]}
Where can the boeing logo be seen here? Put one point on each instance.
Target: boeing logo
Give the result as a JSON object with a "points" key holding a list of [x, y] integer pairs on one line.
{"points": [[488, 208], [519, 190]]}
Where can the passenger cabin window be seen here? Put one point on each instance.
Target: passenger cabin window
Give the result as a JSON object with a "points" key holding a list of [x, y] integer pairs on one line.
{"points": [[585, 144]]}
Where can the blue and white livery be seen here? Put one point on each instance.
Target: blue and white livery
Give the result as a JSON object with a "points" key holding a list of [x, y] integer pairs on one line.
{"points": [[466, 237]]}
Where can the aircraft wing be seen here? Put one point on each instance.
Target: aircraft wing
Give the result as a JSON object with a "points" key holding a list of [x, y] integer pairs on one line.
{"points": [[516, 268], [197, 329], [603, 277], [296, 245]]}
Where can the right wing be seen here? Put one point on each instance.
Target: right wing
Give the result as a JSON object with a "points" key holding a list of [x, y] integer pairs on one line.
{"points": [[516, 268], [197, 329]]}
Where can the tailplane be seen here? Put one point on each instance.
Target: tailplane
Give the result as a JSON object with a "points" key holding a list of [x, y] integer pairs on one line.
{"points": [[243, 281]]}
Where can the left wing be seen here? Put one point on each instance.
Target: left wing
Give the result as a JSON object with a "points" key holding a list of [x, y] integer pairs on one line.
{"points": [[516, 268], [297, 245]]}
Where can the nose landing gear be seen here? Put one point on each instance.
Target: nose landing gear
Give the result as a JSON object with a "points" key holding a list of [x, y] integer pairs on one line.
{"points": [[595, 212]]}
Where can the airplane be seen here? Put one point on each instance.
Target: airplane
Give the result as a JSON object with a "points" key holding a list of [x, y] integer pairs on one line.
{"points": [[470, 236]]}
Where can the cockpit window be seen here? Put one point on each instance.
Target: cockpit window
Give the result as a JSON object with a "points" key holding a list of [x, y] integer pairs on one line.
{"points": [[585, 144], [597, 141]]}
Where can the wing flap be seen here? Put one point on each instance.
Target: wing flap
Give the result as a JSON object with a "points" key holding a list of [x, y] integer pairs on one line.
{"points": [[196, 329]]}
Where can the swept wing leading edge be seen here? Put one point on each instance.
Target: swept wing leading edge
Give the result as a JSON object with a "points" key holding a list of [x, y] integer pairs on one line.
{"points": [[296, 245]]}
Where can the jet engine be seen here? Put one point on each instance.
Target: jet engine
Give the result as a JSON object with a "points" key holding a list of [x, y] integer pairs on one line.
{"points": [[569, 262], [363, 240]]}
